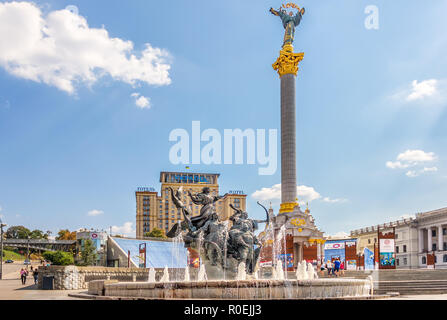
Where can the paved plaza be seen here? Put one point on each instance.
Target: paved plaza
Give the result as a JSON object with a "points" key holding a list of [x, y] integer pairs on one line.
{"points": [[11, 287]]}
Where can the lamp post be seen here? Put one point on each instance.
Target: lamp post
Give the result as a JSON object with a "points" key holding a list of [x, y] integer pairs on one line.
{"points": [[1, 248]]}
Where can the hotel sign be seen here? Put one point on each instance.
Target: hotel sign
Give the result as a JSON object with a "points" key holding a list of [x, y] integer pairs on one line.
{"points": [[189, 178]]}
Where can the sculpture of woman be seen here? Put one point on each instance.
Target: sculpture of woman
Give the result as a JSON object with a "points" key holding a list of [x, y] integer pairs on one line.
{"points": [[289, 22]]}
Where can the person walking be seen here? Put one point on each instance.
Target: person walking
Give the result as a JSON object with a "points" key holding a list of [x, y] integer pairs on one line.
{"points": [[35, 275], [342, 268], [329, 267], [23, 274], [336, 267]]}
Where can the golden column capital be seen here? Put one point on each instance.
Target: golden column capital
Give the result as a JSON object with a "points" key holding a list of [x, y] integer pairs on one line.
{"points": [[287, 61], [287, 207]]}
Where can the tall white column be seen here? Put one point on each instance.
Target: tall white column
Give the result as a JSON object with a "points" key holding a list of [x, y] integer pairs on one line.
{"points": [[429, 238], [440, 239], [318, 251], [421, 240]]}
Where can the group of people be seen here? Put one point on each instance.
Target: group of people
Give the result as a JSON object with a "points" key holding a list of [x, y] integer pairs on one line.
{"points": [[24, 272], [334, 268]]}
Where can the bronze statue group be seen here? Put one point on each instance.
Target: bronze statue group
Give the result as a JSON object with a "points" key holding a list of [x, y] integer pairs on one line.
{"points": [[217, 246]]}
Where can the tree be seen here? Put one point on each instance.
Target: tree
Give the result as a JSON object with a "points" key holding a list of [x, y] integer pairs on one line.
{"points": [[156, 233], [65, 234], [88, 253], [17, 232], [59, 258], [38, 234]]}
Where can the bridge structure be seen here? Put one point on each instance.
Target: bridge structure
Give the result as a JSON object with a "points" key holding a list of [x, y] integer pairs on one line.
{"points": [[40, 244]]}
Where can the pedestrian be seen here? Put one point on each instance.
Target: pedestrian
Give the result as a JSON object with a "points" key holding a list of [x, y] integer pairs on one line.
{"points": [[35, 275], [23, 274], [329, 267], [321, 268], [342, 268], [336, 267]]}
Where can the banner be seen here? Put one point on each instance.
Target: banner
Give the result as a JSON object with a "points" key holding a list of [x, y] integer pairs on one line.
{"points": [[142, 256], [386, 245], [351, 265], [287, 259], [369, 259], [334, 245], [387, 259]]}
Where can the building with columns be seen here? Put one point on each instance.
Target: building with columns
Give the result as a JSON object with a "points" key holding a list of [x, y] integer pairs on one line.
{"points": [[432, 237], [416, 237]]}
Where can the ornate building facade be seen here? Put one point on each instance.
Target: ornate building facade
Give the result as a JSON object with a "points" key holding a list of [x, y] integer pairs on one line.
{"points": [[416, 239]]}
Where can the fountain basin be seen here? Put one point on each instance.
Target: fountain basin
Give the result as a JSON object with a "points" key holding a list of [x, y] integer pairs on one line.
{"points": [[243, 289]]}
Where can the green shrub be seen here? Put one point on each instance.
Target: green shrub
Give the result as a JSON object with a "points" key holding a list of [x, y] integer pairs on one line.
{"points": [[59, 258]]}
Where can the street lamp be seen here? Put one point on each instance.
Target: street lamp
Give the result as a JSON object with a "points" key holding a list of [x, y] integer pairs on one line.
{"points": [[1, 248]]}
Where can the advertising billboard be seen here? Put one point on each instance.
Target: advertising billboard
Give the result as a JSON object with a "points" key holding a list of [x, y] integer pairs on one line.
{"points": [[386, 245]]}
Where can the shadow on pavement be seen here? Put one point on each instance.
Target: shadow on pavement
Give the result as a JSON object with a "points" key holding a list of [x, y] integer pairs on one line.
{"points": [[28, 287]]}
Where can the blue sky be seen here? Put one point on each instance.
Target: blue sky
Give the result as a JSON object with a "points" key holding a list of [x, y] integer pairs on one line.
{"points": [[371, 115]]}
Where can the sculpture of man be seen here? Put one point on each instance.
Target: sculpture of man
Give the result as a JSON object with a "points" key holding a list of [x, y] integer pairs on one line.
{"points": [[242, 238], [214, 237], [193, 223], [289, 23], [206, 200]]}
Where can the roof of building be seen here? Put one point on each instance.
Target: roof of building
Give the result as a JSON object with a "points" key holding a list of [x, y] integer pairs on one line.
{"points": [[432, 212], [159, 254]]}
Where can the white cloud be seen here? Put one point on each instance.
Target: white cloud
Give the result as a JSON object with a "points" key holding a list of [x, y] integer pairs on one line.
{"points": [[340, 235], [61, 50], [327, 199], [416, 173], [95, 212], [141, 101], [305, 194], [265, 194], [126, 229], [1, 208], [413, 158], [422, 89]]}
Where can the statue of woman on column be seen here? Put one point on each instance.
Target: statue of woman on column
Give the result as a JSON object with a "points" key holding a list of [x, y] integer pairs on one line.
{"points": [[289, 22]]}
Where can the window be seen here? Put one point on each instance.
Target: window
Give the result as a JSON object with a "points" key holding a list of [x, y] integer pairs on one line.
{"points": [[397, 250], [397, 235], [405, 261], [424, 260], [444, 258], [433, 247], [397, 261], [445, 246], [404, 249], [433, 233], [369, 241], [444, 231]]}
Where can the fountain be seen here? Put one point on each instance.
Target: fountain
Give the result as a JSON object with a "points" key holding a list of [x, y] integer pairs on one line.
{"points": [[311, 273], [151, 277], [165, 277], [279, 272], [202, 273], [229, 267], [187, 277], [241, 273]]}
